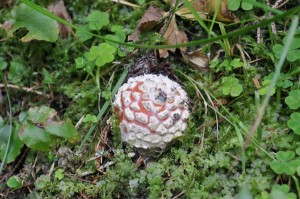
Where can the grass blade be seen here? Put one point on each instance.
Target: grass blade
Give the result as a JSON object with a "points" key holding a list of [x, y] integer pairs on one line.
{"points": [[104, 108], [10, 123]]}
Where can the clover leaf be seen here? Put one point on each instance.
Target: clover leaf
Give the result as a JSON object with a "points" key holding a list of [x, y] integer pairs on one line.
{"points": [[265, 87], [229, 65], [119, 36], [278, 191], [282, 191], [298, 151], [235, 4], [293, 100], [285, 163], [231, 86], [282, 82], [59, 174], [90, 118], [80, 62], [293, 123], [98, 19], [294, 50], [102, 54], [83, 34]]}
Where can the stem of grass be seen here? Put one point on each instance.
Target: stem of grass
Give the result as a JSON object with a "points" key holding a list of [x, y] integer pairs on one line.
{"points": [[10, 123]]}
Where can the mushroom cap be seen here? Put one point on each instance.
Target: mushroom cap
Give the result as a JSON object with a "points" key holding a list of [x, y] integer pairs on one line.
{"points": [[152, 110]]}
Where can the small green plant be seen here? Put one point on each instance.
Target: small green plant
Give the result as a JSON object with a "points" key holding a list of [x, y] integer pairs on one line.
{"points": [[265, 87], [284, 81], [42, 181], [100, 55], [14, 182], [59, 174], [41, 128], [231, 86], [227, 64], [285, 163], [293, 122], [294, 50], [293, 100], [278, 191], [90, 118], [98, 19]]}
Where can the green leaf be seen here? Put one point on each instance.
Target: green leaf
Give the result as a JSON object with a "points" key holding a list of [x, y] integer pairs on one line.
{"points": [[48, 78], [231, 85], [140, 2], [63, 129], [281, 191], [35, 137], [298, 151], [244, 193], [236, 63], [294, 51], [17, 71], [294, 123], [234, 4], [3, 63], [285, 163], [265, 87], [90, 118], [277, 49], [40, 114], [1, 122], [98, 19], [293, 100], [39, 26], [106, 94], [293, 55], [15, 144], [247, 5], [42, 182], [59, 174], [284, 84], [82, 33], [14, 182], [115, 28], [102, 54], [80, 62], [285, 155]]}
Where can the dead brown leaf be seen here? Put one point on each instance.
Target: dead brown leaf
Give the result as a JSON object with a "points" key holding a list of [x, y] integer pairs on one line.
{"points": [[196, 59], [208, 7], [173, 36], [151, 18], [7, 3], [59, 9]]}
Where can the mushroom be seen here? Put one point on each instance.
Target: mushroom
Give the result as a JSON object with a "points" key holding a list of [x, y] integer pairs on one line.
{"points": [[152, 111]]}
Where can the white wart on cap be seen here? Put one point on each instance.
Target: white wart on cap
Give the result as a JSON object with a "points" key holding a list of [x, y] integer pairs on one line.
{"points": [[152, 110]]}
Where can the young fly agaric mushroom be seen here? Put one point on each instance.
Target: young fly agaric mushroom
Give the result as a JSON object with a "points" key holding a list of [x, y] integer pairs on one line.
{"points": [[152, 110]]}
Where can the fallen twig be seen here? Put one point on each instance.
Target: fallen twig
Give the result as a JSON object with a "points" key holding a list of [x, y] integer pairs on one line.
{"points": [[126, 3], [29, 90]]}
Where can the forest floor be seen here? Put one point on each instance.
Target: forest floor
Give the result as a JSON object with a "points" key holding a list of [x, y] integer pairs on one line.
{"points": [[238, 62]]}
